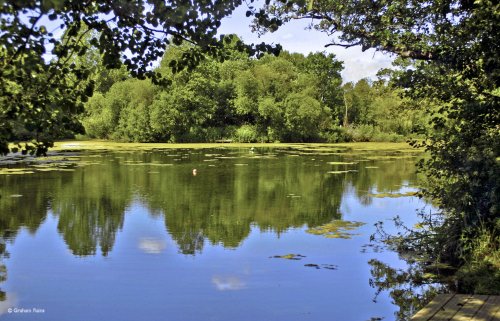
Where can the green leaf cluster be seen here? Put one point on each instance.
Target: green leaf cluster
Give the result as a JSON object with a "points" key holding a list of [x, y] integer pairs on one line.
{"points": [[43, 81], [242, 99], [452, 72]]}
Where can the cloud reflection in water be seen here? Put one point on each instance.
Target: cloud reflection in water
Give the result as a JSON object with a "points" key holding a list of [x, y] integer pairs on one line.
{"points": [[152, 245], [228, 283]]}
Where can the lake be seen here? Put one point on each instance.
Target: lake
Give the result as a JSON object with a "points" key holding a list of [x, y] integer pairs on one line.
{"points": [[247, 233]]}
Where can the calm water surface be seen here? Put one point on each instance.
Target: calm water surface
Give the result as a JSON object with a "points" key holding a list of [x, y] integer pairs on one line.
{"points": [[137, 236]]}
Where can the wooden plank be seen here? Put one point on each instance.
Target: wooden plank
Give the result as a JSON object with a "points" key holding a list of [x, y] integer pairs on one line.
{"points": [[471, 307], [432, 308], [451, 308], [490, 311]]}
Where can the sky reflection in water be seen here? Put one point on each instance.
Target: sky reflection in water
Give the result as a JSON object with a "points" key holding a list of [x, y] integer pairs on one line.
{"points": [[126, 238]]}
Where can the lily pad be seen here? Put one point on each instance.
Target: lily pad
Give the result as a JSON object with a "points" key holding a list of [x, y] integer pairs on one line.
{"points": [[336, 229]]}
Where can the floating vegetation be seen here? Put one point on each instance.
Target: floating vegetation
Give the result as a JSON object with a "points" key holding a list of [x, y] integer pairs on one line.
{"points": [[393, 195], [341, 163], [295, 257], [390, 157], [320, 149], [342, 172], [336, 229], [273, 156], [62, 169], [293, 196], [312, 265], [147, 164], [322, 266], [15, 171], [47, 169]]}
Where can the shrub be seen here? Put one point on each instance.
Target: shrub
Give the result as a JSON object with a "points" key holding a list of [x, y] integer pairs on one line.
{"points": [[336, 134], [246, 134], [361, 133]]}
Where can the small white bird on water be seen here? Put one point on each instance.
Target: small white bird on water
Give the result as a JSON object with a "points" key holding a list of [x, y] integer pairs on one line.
{"points": [[194, 171]]}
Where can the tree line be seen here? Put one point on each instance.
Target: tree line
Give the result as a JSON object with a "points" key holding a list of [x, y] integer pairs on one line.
{"points": [[452, 45], [285, 98]]}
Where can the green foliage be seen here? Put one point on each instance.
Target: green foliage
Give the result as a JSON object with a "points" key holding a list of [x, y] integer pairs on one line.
{"points": [[44, 78], [243, 99], [246, 134], [370, 133], [290, 98], [453, 78], [481, 273], [99, 121], [303, 113]]}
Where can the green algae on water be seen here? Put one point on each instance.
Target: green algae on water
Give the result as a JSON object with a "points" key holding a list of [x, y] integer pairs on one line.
{"points": [[15, 171], [336, 229], [341, 163], [393, 195], [295, 257]]}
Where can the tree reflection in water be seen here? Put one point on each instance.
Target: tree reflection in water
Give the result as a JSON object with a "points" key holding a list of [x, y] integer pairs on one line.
{"points": [[412, 287], [408, 288], [220, 205]]}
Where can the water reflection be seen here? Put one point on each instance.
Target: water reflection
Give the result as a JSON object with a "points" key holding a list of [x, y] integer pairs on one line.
{"points": [[218, 205], [228, 283], [152, 245], [409, 288], [233, 194]]}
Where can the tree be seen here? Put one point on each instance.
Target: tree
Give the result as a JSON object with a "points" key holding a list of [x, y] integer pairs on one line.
{"points": [[454, 45], [303, 113], [326, 69], [36, 69]]}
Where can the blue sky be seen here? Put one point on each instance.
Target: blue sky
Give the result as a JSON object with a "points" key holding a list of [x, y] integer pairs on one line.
{"points": [[294, 38]]}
